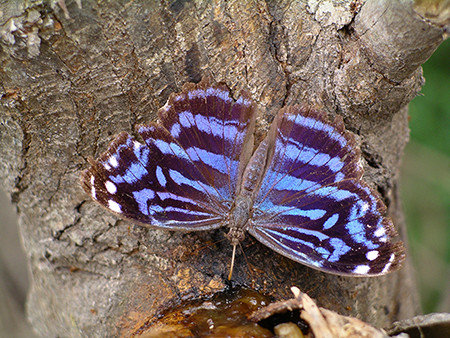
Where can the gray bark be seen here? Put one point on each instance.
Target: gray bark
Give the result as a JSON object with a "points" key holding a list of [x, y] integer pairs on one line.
{"points": [[71, 81]]}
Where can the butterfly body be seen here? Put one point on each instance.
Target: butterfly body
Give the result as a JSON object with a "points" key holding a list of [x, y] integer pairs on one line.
{"points": [[239, 218], [300, 192]]}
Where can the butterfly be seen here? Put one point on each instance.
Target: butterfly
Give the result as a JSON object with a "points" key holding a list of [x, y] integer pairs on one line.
{"points": [[299, 191]]}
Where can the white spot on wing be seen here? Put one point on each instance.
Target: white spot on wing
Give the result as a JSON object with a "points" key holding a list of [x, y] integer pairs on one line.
{"points": [[361, 269], [114, 206], [388, 265], [373, 254], [111, 187], [113, 161], [379, 232], [93, 192], [391, 259]]}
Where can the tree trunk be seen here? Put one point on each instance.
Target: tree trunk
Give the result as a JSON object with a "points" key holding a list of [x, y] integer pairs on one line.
{"points": [[74, 77]]}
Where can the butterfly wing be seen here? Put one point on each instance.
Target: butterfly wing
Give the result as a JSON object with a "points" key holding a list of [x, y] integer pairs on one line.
{"points": [[312, 205], [183, 176]]}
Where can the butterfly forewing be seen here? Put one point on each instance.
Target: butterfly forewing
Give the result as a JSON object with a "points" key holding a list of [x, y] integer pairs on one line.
{"points": [[215, 132], [312, 205], [184, 175]]}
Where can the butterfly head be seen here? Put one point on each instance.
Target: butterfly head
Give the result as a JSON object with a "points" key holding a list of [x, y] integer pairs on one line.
{"points": [[238, 218]]}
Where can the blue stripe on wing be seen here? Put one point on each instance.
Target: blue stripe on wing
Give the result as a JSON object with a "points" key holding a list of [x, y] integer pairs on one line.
{"points": [[184, 176], [312, 205]]}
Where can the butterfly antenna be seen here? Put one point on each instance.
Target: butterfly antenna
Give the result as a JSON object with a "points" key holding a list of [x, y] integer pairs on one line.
{"points": [[232, 261]]}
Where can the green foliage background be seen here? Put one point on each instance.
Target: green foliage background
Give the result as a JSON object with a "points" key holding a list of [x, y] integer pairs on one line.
{"points": [[426, 183]]}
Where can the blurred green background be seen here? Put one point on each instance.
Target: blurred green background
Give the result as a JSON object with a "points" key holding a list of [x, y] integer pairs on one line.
{"points": [[425, 183]]}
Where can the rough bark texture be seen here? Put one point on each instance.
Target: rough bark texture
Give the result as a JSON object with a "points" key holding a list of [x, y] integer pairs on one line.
{"points": [[69, 84]]}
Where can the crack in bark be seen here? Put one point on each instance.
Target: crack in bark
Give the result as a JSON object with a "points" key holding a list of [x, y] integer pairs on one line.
{"points": [[19, 188], [374, 22], [58, 233]]}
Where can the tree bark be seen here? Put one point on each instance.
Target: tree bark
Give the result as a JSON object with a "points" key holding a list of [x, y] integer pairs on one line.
{"points": [[73, 78]]}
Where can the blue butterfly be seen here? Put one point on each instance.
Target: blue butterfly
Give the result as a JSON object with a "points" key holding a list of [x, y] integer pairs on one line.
{"points": [[300, 192]]}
